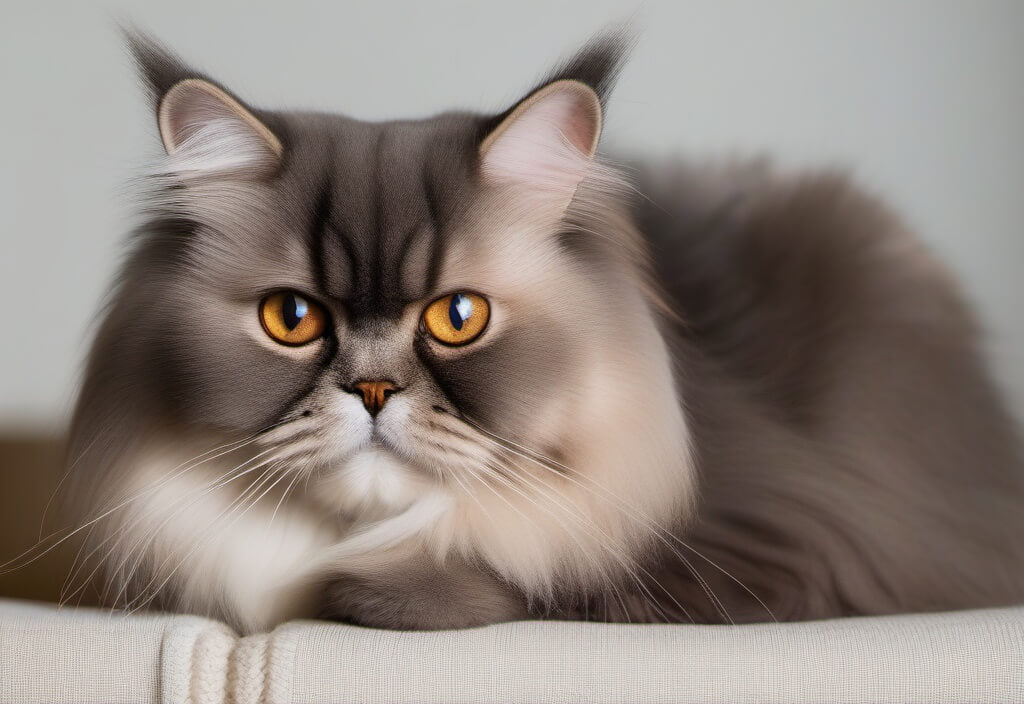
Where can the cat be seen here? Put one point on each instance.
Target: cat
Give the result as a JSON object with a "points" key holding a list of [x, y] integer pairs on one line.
{"points": [[453, 371]]}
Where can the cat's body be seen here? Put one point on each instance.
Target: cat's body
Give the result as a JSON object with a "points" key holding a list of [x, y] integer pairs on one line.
{"points": [[853, 456], [783, 417]]}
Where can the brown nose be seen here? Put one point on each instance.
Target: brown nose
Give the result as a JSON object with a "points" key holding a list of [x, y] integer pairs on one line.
{"points": [[376, 394]]}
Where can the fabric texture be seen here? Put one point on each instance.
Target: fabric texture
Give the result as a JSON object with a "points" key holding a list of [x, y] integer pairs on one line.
{"points": [[85, 656]]}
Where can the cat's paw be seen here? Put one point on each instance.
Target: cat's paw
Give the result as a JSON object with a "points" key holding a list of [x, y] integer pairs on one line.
{"points": [[420, 595]]}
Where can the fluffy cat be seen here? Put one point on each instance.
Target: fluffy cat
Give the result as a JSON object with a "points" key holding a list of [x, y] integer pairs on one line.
{"points": [[445, 372]]}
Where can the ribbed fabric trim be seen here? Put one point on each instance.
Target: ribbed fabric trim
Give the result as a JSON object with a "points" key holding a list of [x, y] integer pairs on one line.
{"points": [[957, 658], [194, 659]]}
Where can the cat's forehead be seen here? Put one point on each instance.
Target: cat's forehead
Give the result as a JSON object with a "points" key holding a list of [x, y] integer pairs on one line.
{"points": [[378, 201]]}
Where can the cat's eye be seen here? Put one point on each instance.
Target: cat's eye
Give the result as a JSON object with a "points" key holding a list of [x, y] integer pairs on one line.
{"points": [[292, 319], [457, 319]]}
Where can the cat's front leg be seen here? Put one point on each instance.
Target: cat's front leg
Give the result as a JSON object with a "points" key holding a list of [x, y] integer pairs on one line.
{"points": [[418, 593]]}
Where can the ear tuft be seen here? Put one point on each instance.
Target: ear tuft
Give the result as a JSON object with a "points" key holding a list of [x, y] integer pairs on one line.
{"points": [[545, 144], [158, 67], [598, 63]]}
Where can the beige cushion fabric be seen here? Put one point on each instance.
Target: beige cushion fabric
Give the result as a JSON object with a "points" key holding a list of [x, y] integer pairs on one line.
{"points": [[87, 656]]}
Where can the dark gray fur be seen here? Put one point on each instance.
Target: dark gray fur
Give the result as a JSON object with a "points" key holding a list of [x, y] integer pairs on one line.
{"points": [[855, 457]]}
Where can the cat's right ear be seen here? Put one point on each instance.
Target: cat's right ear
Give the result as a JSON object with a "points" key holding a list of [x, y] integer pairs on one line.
{"points": [[205, 130]]}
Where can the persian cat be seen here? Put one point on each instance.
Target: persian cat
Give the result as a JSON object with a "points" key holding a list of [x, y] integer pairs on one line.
{"points": [[450, 371]]}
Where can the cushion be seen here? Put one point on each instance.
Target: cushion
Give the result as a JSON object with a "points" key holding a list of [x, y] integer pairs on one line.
{"points": [[86, 655]]}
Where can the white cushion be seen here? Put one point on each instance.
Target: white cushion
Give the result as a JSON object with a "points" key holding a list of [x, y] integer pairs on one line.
{"points": [[85, 656]]}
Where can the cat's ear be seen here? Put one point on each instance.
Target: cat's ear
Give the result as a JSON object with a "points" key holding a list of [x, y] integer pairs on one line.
{"points": [[204, 129], [545, 144]]}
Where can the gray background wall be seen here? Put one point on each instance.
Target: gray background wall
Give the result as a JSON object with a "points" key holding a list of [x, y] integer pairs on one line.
{"points": [[924, 101]]}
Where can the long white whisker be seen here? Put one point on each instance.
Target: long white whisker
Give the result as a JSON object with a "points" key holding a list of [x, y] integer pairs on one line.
{"points": [[284, 495], [125, 530], [706, 588], [659, 532], [191, 498], [506, 482], [60, 483], [585, 522], [4, 569], [131, 607]]}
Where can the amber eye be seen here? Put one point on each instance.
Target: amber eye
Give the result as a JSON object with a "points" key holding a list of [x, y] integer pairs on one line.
{"points": [[292, 319], [457, 319]]}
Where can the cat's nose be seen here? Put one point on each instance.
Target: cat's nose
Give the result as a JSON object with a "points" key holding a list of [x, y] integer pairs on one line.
{"points": [[376, 394]]}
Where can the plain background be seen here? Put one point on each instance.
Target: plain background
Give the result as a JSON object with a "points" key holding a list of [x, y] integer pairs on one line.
{"points": [[922, 101]]}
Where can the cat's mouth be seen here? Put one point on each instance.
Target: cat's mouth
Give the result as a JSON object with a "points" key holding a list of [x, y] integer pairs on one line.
{"points": [[382, 437], [376, 482], [413, 459]]}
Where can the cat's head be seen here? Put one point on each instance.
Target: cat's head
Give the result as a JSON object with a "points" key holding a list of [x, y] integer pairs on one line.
{"points": [[442, 327]]}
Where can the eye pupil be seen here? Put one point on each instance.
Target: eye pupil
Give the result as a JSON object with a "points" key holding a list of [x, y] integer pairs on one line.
{"points": [[293, 310], [459, 310], [456, 319], [292, 319]]}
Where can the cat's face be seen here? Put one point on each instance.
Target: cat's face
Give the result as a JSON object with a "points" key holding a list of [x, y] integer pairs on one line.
{"points": [[441, 323], [366, 227]]}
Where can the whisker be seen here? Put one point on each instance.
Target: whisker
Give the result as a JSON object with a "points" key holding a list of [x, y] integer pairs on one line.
{"points": [[471, 495], [132, 607], [509, 484], [625, 561], [60, 483], [192, 498], [706, 587], [284, 495], [659, 532], [126, 530], [13, 564]]}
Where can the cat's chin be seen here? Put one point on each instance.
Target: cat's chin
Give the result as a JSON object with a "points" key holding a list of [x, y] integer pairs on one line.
{"points": [[374, 483]]}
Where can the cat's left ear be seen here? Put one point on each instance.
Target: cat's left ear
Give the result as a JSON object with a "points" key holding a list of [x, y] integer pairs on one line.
{"points": [[544, 146], [204, 129]]}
